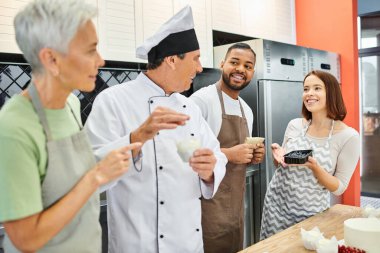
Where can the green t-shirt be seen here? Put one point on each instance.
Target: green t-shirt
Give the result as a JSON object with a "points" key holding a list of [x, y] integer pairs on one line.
{"points": [[23, 155]]}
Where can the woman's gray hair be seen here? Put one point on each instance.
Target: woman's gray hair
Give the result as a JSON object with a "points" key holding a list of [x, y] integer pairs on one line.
{"points": [[49, 24]]}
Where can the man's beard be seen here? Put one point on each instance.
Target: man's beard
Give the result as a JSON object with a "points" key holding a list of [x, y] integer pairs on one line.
{"points": [[231, 86]]}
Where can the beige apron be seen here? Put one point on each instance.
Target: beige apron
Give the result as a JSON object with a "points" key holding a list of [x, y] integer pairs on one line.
{"points": [[68, 160], [223, 215]]}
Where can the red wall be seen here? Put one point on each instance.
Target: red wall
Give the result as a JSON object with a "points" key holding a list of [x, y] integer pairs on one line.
{"points": [[332, 25]]}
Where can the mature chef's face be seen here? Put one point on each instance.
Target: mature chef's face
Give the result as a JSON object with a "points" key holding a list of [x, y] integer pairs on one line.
{"points": [[238, 68], [78, 68], [186, 69]]}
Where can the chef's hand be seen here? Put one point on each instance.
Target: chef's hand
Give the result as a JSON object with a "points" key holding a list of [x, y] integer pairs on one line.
{"points": [[239, 154], [258, 153], [161, 118], [278, 153], [203, 162], [114, 165]]}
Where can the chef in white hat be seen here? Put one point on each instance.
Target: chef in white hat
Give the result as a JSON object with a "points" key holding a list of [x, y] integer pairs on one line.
{"points": [[156, 206]]}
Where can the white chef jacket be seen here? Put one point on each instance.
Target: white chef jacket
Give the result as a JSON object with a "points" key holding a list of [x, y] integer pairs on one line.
{"points": [[207, 99], [159, 208]]}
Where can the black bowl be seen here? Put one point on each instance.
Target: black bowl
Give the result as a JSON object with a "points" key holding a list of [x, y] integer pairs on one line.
{"points": [[298, 156]]}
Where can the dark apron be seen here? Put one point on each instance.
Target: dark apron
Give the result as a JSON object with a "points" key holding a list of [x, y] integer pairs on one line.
{"points": [[223, 215]]}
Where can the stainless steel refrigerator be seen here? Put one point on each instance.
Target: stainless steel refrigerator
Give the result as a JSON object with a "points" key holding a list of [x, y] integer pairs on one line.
{"points": [[275, 96]]}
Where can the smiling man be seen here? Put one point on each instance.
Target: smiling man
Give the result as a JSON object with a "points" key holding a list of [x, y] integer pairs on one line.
{"points": [[156, 207], [231, 120]]}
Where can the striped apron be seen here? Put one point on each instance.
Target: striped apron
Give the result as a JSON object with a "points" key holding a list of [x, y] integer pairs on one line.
{"points": [[294, 193]]}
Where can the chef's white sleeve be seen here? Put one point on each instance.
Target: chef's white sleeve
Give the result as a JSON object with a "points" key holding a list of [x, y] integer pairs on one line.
{"points": [[210, 141], [105, 131]]}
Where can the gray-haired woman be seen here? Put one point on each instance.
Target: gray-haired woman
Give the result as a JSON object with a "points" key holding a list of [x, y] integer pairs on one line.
{"points": [[49, 177]]}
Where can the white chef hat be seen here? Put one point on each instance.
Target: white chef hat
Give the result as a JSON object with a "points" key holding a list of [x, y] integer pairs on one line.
{"points": [[176, 36]]}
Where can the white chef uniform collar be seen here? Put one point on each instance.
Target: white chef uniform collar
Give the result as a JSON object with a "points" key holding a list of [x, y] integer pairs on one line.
{"points": [[176, 36]]}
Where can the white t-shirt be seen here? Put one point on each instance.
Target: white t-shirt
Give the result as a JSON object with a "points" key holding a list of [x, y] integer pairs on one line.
{"points": [[208, 101]]}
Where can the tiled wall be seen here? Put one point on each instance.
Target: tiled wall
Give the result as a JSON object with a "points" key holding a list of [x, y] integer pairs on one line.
{"points": [[15, 77]]}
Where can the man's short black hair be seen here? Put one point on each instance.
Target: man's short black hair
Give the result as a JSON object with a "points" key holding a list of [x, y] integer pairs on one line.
{"points": [[239, 45]]}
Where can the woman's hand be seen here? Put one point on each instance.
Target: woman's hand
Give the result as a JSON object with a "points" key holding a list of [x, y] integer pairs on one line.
{"points": [[115, 164], [278, 155], [324, 178], [311, 163]]}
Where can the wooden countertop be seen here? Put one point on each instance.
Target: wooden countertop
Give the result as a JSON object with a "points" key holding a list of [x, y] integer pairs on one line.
{"points": [[330, 223]]}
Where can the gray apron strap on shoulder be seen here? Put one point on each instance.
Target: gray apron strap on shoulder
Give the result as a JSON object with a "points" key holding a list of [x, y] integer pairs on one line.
{"points": [[36, 101], [79, 122]]}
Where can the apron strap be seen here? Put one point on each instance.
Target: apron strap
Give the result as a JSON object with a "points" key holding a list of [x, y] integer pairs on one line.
{"points": [[220, 98], [306, 127], [219, 89], [36, 101], [332, 129], [75, 117], [308, 124], [241, 108]]}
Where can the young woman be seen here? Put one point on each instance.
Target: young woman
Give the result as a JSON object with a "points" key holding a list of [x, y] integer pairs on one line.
{"points": [[298, 191], [49, 177]]}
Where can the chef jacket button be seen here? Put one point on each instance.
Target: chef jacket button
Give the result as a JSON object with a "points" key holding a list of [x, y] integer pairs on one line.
{"points": [[184, 106], [197, 229], [161, 202], [161, 236], [200, 198], [151, 101], [158, 133], [160, 167], [192, 134]]}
